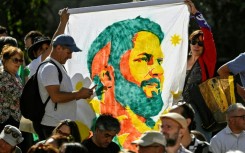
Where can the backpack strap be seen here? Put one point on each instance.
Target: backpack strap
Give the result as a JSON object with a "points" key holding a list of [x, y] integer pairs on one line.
{"points": [[60, 79]]}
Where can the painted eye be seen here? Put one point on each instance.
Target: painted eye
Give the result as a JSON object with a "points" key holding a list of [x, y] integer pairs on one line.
{"points": [[160, 60]]}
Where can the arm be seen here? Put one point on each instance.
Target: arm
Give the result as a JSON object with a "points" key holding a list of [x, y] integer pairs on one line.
{"points": [[58, 96], [48, 78], [224, 71], [209, 56], [64, 17]]}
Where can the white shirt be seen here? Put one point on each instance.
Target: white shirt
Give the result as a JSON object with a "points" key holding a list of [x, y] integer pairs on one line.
{"points": [[225, 140], [48, 75], [34, 65]]}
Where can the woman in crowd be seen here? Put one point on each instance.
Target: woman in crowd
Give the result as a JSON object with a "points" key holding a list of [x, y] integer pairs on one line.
{"points": [[201, 61], [69, 129], [10, 86]]}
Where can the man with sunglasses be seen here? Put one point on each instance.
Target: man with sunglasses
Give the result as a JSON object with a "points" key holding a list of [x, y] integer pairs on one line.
{"points": [[10, 137], [200, 63], [232, 137]]}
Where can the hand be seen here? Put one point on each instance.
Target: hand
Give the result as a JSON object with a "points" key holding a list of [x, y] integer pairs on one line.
{"points": [[191, 6], [85, 93], [64, 16]]}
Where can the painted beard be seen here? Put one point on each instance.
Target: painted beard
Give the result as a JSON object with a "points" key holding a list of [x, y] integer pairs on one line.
{"points": [[152, 83], [129, 94]]}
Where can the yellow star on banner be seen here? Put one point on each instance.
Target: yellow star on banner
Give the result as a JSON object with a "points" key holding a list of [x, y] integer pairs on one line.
{"points": [[175, 39]]}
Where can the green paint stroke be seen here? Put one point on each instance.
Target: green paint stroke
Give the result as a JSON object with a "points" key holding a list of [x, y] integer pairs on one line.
{"points": [[120, 35]]}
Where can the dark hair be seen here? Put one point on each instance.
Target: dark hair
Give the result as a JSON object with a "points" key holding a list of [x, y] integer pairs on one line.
{"points": [[3, 30], [195, 34], [198, 135], [107, 122], [59, 139], [42, 148], [73, 147], [7, 40], [33, 34], [73, 128], [187, 112]]}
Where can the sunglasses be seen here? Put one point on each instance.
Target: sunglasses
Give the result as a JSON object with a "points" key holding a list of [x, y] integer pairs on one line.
{"points": [[16, 60], [194, 42]]}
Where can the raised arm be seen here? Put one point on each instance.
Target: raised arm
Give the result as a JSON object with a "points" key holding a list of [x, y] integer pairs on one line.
{"points": [[64, 17]]}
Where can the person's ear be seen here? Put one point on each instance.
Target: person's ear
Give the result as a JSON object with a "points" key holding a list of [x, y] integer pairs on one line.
{"points": [[188, 121]]}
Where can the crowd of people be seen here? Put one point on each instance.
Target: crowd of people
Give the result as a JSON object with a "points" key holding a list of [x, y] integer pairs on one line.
{"points": [[181, 129]]}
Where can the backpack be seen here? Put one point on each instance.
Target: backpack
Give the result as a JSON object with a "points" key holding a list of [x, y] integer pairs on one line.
{"points": [[31, 104]]}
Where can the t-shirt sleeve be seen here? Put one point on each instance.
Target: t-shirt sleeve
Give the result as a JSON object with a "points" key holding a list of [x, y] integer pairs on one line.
{"points": [[237, 65], [49, 75]]}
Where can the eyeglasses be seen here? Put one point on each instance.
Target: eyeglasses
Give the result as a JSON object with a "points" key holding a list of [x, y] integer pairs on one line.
{"points": [[16, 60], [242, 116], [194, 42]]}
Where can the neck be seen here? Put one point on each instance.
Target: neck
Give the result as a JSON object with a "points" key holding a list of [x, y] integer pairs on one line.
{"points": [[186, 139], [194, 58]]}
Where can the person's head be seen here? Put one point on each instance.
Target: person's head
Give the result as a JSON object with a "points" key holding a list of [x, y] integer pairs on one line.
{"points": [[12, 58], [186, 110], [151, 142], [196, 43], [42, 148], [128, 54], [198, 135], [57, 140], [68, 127], [10, 137], [10, 41], [40, 45], [3, 31], [106, 128], [29, 38], [73, 147], [236, 117], [172, 127], [63, 47]]}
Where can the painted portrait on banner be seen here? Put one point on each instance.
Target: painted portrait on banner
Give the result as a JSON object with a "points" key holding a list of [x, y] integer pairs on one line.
{"points": [[137, 59], [125, 63]]}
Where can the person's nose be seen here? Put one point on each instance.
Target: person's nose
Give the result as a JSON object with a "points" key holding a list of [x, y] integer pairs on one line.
{"points": [[156, 69]]}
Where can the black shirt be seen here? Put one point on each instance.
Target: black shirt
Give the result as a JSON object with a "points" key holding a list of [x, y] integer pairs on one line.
{"points": [[93, 148]]}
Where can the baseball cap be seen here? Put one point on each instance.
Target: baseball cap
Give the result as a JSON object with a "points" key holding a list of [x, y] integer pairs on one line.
{"points": [[176, 117], [151, 137], [11, 135], [66, 40]]}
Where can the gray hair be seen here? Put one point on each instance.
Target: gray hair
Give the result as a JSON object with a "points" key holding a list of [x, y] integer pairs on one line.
{"points": [[233, 108], [107, 122]]}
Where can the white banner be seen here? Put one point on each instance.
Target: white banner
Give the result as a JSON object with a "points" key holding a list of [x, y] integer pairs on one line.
{"points": [[137, 58]]}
